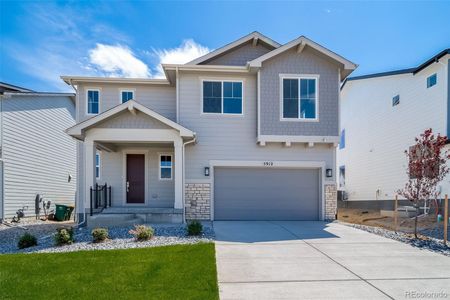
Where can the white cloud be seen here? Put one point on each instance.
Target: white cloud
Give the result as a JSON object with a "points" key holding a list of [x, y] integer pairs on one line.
{"points": [[117, 61], [187, 51]]}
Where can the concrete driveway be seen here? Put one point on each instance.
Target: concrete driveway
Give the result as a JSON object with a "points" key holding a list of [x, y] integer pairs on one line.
{"points": [[317, 260]]}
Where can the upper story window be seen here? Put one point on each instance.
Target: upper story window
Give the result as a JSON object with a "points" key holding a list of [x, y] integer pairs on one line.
{"points": [[431, 80], [222, 97], [126, 95], [93, 101], [97, 164], [396, 100], [165, 167], [299, 97], [342, 140]]}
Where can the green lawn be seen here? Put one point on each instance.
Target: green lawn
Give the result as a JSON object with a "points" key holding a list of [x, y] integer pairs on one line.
{"points": [[172, 272]]}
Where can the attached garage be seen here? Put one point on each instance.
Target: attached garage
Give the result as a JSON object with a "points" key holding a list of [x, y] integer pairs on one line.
{"points": [[245, 193]]}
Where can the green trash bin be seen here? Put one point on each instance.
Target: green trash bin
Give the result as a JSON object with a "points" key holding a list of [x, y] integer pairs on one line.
{"points": [[60, 212]]}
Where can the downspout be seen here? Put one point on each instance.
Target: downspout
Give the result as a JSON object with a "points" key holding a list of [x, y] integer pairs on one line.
{"points": [[177, 91], [183, 179], [80, 224]]}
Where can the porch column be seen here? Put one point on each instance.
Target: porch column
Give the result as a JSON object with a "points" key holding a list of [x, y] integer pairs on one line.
{"points": [[89, 170], [178, 145]]}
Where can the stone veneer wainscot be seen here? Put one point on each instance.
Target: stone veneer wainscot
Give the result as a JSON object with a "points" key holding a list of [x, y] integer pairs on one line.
{"points": [[198, 201]]}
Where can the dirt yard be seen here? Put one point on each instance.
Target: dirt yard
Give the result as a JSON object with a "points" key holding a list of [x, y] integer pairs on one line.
{"points": [[374, 218]]}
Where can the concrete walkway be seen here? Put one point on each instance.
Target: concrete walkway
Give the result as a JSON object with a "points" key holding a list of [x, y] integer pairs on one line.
{"points": [[316, 260]]}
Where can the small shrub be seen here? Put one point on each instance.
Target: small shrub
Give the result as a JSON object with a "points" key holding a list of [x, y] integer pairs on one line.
{"points": [[64, 236], [195, 228], [27, 240], [142, 232], [99, 235]]}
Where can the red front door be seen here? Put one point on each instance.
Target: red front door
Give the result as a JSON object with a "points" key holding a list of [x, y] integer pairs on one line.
{"points": [[135, 184]]}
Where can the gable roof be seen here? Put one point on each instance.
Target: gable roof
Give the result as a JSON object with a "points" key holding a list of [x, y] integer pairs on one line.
{"points": [[256, 36], [301, 42], [77, 130]]}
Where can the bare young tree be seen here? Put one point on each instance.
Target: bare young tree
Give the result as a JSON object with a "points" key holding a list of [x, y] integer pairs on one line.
{"points": [[427, 166]]}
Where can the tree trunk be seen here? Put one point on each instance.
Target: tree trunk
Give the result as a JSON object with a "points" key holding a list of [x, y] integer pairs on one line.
{"points": [[415, 222]]}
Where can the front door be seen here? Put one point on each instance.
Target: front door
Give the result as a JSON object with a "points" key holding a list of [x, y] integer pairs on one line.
{"points": [[135, 184]]}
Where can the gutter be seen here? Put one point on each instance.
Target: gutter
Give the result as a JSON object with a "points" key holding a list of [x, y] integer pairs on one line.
{"points": [[194, 140]]}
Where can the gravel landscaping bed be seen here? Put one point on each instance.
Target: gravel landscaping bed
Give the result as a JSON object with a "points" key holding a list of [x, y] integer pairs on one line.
{"points": [[423, 242], [119, 238]]}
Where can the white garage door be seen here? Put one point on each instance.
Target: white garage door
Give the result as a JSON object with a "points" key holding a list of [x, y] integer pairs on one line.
{"points": [[266, 194]]}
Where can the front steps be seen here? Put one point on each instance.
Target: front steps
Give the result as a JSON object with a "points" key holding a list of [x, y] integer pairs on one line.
{"points": [[126, 216]]}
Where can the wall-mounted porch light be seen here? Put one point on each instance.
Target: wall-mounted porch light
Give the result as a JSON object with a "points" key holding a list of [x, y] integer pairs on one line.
{"points": [[329, 173], [206, 171]]}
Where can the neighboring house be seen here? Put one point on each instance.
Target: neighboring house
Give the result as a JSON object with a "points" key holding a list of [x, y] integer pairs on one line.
{"points": [[381, 114], [246, 132], [37, 156]]}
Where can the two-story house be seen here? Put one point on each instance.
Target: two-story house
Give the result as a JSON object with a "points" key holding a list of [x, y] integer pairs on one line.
{"points": [[36, 155], [381, 114], [246, 132]]}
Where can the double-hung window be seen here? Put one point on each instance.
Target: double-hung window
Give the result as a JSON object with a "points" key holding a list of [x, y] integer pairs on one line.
{"points": [[222, 97], [126, 95], [93, 101], [165, 167], [299, 98]]}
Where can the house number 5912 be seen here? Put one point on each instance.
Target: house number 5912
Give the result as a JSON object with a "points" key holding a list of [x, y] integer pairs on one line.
{"points": [[268, 163]]}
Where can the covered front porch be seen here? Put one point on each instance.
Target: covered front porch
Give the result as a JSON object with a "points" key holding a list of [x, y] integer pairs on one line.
{"points": [[131, 165]]}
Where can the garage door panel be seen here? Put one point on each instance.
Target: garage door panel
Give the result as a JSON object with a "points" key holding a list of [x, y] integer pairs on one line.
{"points": [[266, 194]]}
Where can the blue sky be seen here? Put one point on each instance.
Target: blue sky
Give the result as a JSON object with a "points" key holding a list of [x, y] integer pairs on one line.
{"points": [[39, 41]]}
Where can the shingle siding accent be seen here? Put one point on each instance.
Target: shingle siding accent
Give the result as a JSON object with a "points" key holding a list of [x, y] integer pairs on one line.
{"points": [[198, 201], [239, 56], [330, 201], [306, 62], [128, 120]]}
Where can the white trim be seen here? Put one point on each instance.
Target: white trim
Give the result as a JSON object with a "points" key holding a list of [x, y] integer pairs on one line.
{"points": [[222, 80], [302, 39], [258, 103], [296, 164], [124, 175], [89, 89], [238, 42], [298, 139], [77, 79], [299, 77], [126, 90], [77, 130], [171, 166]]}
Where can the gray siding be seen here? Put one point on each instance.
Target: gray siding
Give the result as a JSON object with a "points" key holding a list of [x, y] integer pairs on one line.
{"points": [[161, 99], [127, 120], [307, 62], [38, 154], [161, 192], [222, 137], [239, 56]]}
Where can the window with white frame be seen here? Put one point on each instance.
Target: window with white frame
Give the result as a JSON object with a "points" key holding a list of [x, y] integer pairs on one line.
{"points": [[93, 101], [431, 80], [299, 98], [165, 167], [97, 164], [126, 95], [222, 97]]}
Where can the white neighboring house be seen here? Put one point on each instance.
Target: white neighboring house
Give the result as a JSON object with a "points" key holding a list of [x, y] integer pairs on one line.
{"points": [[37, 156], [381, 114]]}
